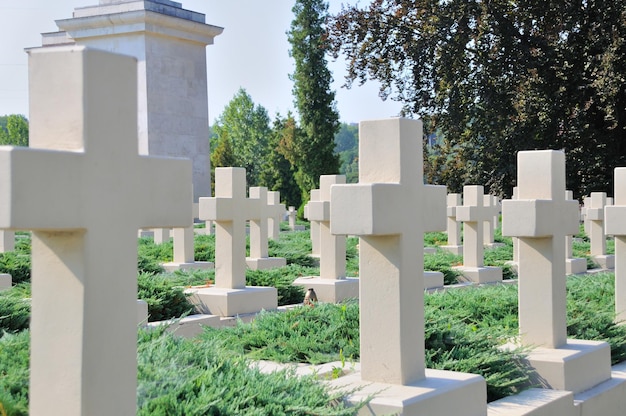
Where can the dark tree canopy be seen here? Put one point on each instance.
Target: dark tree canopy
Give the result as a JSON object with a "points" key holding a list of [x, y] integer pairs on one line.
{"points": [[314, 99], [494, 77]]}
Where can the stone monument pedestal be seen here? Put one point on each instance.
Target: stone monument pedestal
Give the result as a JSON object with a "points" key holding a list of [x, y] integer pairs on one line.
{"points": [[481, 274], [193, 265], [233, 302], [605, 261], [575, 266], [265, 263], [458, 250], [330, 290], [576, 366], [5, 281], [440, 393], [433, 280]]}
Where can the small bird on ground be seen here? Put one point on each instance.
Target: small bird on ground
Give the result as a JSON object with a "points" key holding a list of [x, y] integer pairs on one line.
{"points": [[310, 298]]}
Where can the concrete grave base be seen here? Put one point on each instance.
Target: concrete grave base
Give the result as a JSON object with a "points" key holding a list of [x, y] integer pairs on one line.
{"points": [[577, 366], [430, 250], [440, 393], [433, 280], [142, 312], [481, 274], [5, 281], [233, 302], [265, 263], [606, 399], [330, 290], [458, 250], [534, 402], [196, 265], [605, 261], [491, 246], [575, 266], [189, 326]]}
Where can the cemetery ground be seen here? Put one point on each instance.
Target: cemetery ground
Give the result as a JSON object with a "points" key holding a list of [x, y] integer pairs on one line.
{"points": [[214, 372]]}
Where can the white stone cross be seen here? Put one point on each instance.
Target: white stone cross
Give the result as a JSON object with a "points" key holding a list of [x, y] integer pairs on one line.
{"points": [[541, 217], [489, 226], [276, 211], [615, 223], [332, 247], [381, 210], [597, 238], [230, 209], [474, 213], [292, 218], [84, 192], [453, 227], [572, 265], [313, 224], [259, 216]]}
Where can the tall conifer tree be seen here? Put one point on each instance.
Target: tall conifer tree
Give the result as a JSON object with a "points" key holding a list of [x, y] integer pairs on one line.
{"points": [[314, 99]]}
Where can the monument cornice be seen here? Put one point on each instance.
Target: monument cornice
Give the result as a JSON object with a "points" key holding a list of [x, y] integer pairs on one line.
{"points": [[139, 21]]}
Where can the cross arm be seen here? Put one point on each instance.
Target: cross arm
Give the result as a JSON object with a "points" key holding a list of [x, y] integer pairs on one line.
{"points": [[318, 211], [536, 218], [433, 209], [216, 209], [366, 209], [40, 189], [165, 193], [615, 220]]}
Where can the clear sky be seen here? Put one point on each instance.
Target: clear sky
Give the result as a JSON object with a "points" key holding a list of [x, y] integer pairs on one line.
{"points": [[252, 52]]}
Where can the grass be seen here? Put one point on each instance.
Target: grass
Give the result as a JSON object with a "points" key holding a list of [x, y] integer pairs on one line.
{"points": [[211, 375]]}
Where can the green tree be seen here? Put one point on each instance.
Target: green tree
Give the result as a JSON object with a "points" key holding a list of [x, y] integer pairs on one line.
{"points": [[492, 78], [243, 132], [14, 130], [347, 146], [315, 101], [279, 173]]}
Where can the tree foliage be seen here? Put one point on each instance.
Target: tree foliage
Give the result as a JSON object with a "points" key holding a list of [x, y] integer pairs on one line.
{"points": [[313, 152], [14, 130], [243, 133], [280, 173], [494, 77]]}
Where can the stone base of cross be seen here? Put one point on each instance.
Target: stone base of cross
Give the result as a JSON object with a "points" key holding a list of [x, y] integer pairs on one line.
{"points": [[387, 209], [5, 281], [330, 290], [575, 266], [233, 302], [480, 275], [433, 280], [264, 263]]}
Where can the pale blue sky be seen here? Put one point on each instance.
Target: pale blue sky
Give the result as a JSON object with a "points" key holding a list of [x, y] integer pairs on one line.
{"points": [[252, 52]]}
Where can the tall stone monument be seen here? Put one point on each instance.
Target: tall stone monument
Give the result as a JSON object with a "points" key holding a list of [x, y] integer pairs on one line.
{"points": [[169, 43]]}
